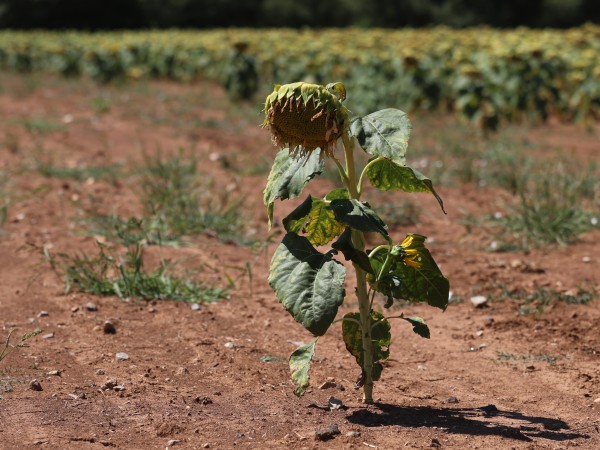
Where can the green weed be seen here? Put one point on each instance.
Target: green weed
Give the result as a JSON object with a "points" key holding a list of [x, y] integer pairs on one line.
{"points": [[106, 274], [183, 202], [502, 356], [80, 173], [21, 342], [42, 126], [549, 209], [101, 104], [536, 302]]}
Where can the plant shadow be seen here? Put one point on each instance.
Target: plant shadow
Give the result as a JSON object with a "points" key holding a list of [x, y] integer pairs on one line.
{"points": [[484, 421]]}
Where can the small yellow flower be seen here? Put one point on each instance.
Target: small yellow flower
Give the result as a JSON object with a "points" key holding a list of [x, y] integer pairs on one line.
{"points": [[304, 117], [411, 245]]}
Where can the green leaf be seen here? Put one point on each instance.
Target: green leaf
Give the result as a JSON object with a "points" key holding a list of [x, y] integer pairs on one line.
{"points": [[386, 175], [380, 336], [295, 221], [358, 215], [309, 284], [351, 253], [288, 177], [315, 219], [383, 133], [300, 365], [419, 326], [410, 274], [322, 226], [337, 194]]}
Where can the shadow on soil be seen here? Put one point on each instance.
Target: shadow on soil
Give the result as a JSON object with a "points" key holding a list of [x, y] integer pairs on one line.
{"points": [[474, 421]]}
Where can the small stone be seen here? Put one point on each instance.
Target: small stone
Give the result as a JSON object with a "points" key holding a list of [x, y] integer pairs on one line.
{"points": [[597, 400], [479, 301], [489, 321], [239, 435], [324, 434], [586, 259], [335, 403], [182, 371], [195, 306], [353, 433], [530, 368], [109, 328], [118, 388], [229, 345], [435, 443], [122, 356], [328, 385], [207, 445], [173, 442], [35, 385], [54, 373], [91, 306], [75, 309], [40, 441], [97, 328], [48, 336], [421, 367], [479, 333], [151, 309], [43, 314], [452, 399], [203, 400], [100, 372], [108, 385]]}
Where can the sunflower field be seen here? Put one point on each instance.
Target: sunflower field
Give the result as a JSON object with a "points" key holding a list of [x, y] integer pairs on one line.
{"points": [[490, 76]]}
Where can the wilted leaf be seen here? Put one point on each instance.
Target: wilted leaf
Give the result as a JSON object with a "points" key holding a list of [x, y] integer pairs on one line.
{"points": [[300, 366], [383, 133], [386, 175], [380, 336], [358, 215], [288, 177], [309, 284]]}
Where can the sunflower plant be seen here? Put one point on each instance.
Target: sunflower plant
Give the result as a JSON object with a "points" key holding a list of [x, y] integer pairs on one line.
{"points": [[311, 125]]}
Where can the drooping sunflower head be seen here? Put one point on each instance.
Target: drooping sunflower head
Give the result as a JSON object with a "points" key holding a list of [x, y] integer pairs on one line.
{"points": [[304, 116]]}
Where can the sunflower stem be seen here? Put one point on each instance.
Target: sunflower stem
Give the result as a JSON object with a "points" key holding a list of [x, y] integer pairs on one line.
{"points": [[364, 305]]}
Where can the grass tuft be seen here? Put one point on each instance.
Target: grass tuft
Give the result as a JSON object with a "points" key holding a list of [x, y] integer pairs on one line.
{"points": [[108, 275]]}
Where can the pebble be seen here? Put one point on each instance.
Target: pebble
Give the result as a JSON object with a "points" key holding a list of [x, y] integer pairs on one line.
{"points": [[335, 403], [173, 442], [43, 314], [586, 259], [108, 385], [151, 309], [35, 385], [100, 372], [118, 388], [75, 309], [479, 301], [122, 356], [421, 367], [324, 434], [109, 328], [195, 306], [479, 333], [91, 306], [597, 400], [328, 385], [353, 433], [452, 399], [229, 345], [182, 371], [207, 445], [54, 373], [48, 336]]}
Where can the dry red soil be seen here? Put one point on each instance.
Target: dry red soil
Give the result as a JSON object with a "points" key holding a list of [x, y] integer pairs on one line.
{"points": [[487, 379]]}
